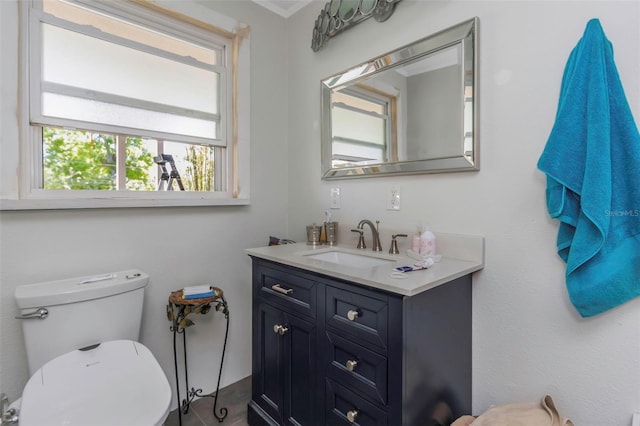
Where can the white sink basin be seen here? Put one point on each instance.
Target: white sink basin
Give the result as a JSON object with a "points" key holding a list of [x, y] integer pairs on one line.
{"points": [[350, 259]]}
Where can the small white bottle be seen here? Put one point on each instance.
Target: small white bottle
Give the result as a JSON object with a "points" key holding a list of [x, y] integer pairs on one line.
{"points": [[415, 242], [428, 243]]}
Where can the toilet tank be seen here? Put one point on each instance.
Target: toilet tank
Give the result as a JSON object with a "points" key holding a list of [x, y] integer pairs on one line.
{"points": [[82, 312]]}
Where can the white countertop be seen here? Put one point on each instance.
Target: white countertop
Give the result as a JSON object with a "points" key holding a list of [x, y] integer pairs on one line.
{"points": [[461, 255]]}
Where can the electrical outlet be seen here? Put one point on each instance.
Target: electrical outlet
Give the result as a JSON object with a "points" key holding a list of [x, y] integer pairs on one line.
{"points": [[393, 202], [335, 202]]}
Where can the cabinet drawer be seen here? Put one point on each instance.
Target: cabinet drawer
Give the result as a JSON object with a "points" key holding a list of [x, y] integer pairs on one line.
{"points": [[363, 315], [341, 403], [294, 292], [357, 368]]}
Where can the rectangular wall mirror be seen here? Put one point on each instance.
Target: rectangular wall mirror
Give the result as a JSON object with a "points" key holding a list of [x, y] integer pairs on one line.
{"points": [[409, 111]]}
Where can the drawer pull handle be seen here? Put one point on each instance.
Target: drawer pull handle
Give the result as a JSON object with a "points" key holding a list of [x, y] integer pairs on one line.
{"points": [[280, 329], [351, 364], [287, 291], [352, 415], [353, 314]]}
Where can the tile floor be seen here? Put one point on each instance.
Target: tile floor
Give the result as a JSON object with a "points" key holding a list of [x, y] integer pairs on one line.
{"points": [[234, 398]]}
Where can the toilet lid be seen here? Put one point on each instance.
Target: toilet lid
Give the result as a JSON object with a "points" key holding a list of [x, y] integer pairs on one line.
{"points": [[117, 383]]}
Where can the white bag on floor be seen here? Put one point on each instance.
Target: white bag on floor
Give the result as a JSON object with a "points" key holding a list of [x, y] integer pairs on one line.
{"points": [[544, 413]]}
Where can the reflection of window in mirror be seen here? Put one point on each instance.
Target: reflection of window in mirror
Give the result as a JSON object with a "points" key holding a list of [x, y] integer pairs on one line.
{"points": [[468, 121], [363, 120]]}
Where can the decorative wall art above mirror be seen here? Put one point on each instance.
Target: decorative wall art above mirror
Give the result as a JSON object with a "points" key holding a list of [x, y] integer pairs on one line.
{"points": [[413, 110], [339, 15]]}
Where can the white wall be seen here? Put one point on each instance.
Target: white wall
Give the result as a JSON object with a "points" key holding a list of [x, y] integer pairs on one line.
{"points": [[528, 339], [176, 246]]}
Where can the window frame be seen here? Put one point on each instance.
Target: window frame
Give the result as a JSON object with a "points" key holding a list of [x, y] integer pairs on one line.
{"points": [[235, 169]]}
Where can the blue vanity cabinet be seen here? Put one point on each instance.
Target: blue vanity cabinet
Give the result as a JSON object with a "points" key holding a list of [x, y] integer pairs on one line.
{"points": [[285, 389], [362, 355], [284, 349]]}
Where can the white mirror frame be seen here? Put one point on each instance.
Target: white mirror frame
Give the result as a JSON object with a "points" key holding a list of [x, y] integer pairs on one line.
{"points": [[463, 34]]}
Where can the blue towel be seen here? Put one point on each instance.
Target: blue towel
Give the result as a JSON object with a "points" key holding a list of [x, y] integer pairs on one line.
{"points": [[592, 163]]}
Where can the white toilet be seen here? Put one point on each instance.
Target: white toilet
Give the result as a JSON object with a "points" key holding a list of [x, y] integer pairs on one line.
{"points": [[86, 365]]}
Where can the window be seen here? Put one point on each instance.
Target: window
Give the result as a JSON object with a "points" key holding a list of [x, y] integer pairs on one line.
{"points": [[83, 160], [362, 126], [126, 101]]}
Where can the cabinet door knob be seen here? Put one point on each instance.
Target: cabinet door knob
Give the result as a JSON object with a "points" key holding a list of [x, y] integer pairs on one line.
{"points": [[351, 364], [353, 314], [351, 415], [287, 291], [280, 329]]}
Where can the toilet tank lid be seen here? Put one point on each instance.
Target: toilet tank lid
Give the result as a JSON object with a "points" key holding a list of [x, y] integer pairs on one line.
{"points": [[78, 289]]}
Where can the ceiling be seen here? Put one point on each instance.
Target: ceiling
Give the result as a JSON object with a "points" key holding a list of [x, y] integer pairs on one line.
{"points": [[283, 8]]}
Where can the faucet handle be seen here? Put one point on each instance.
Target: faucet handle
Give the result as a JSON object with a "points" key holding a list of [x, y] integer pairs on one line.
{"points": [[361, 244], [394, 244]]}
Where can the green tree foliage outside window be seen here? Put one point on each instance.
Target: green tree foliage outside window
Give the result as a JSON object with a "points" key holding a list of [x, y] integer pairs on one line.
{"points": [[77, 160], [200, 170], [138, 163], [84, 160]]}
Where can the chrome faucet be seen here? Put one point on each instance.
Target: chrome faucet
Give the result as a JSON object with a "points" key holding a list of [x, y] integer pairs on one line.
{"points": [[374, 233]]}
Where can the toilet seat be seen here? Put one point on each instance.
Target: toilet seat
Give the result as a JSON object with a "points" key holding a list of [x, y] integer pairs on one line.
{"points": [[116, 383]]}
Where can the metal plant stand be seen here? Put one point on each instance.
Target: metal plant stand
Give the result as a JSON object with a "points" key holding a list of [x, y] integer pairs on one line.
{"points": [[177, 311]]}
